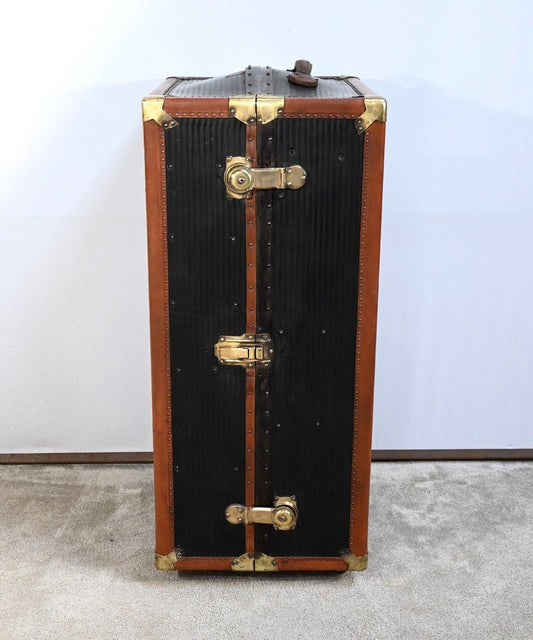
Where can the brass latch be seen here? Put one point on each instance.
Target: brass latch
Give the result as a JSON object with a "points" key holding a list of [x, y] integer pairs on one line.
{"points": [[240, 177], [283, 515], [245, 350]]}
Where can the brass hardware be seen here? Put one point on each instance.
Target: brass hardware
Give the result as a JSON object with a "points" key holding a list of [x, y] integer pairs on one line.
{"points": [[254, 562], [240, 177], [264, 109], [268, 108], [355, 563], [283, 515], [242, 108], [246, 350], [166, 563], [375, 109], [153, 110]]}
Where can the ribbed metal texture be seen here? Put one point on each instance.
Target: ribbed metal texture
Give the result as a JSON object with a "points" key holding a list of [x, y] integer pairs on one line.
{"points": [[314, 265], [260, 80], [223, 87], [326, 87], [207, 290]]}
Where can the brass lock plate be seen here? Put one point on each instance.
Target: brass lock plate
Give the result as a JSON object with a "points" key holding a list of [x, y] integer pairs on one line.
{"points": [[246, 350], [283, 515], [240, 177]]}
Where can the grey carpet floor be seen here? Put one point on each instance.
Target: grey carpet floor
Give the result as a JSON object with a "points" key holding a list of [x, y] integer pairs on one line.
{"points": [[451, 557]]}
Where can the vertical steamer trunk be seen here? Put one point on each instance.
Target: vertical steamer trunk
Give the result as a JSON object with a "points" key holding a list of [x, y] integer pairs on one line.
{"points": [[264, 207]]}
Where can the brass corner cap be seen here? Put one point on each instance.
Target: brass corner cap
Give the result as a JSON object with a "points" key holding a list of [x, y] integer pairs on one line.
{"points": [[166, 563], [375, 109], [152, 108], [355, 563]]}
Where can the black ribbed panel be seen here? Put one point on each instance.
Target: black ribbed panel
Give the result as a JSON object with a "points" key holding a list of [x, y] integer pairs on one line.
{"points": [[315, 237], [207, 291]]}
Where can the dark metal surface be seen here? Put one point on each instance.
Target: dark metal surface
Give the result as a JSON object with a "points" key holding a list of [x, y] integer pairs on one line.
{"points": [[313, 280], [207, 291], [260, 80]]}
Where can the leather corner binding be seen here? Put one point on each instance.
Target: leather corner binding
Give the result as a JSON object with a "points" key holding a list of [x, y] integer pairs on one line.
{"points": [[375, 109], [355, 563], [152, 107], [166, 563]]}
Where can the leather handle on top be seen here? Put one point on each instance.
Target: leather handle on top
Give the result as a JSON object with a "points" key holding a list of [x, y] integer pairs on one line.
{"points": [[302, 74]]}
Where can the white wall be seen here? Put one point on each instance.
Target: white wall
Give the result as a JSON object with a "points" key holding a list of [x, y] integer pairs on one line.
{"points": [[455, 348]]}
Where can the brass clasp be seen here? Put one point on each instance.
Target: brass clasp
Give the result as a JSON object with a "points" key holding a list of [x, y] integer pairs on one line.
{"points": [[245, 350], [240, 177], [283, 515]]}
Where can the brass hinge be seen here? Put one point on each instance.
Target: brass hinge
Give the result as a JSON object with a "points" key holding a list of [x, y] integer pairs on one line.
{"points": [[268, 108], [240, 177], [263, 109], [254, 562], [153, 110], [246, 350], [282, 516], [375, 109]]}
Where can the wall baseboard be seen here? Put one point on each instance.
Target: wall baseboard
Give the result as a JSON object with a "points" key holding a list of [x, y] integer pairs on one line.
{"points": [[378, 455]]}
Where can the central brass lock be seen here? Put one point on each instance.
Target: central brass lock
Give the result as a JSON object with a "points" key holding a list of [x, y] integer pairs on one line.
{"points": [[246, 350], [240, 177], [283, 515]]}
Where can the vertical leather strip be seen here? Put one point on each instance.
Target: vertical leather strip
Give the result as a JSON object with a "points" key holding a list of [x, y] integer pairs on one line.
{"points": [[263, 426], [250, 454], [159, 334], [366, 333], [251, 327]]}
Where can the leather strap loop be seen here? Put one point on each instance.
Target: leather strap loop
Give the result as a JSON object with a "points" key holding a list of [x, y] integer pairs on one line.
{"points": [[302, 74]]}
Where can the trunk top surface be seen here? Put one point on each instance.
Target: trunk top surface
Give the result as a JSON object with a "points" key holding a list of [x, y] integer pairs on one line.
{"points": [[262, 81]]}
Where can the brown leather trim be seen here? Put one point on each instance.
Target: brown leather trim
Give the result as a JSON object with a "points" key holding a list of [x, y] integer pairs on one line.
{"points": [[154, 145], [366, 333], [323, 107], [311, 564], [197, 107], [164, 87], [378, 455], [203, 564], [250, 454], [360, 86], [251, 327], [284, 564]]}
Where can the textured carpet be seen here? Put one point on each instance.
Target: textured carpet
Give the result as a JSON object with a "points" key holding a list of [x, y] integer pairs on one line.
{"points": [[451, 557]]}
